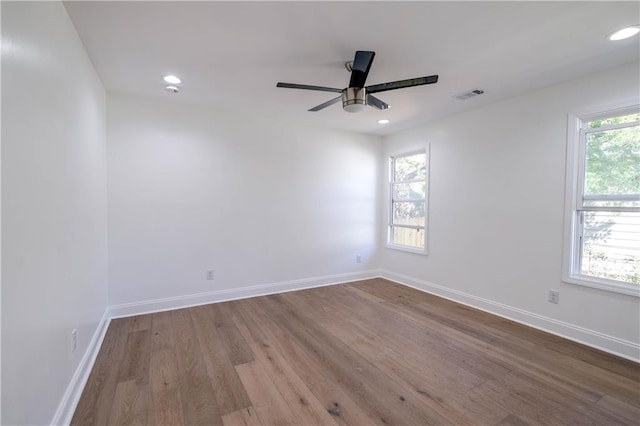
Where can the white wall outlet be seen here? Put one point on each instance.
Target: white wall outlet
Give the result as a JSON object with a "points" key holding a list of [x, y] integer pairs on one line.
{"points": [[210, 274], [554, 296], [358, 259], [74, 340]]}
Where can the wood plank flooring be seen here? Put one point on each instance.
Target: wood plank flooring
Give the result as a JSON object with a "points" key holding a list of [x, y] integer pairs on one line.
{"points": [[366, 353]]}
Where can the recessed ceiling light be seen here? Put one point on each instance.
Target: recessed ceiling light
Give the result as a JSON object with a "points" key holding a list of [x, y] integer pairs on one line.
{"points": [[385, 121], [172, 89], [172, 79], [625, 33]]}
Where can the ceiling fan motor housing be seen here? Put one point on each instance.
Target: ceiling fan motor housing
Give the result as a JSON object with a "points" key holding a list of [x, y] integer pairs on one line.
{"points": [[354, 99]]}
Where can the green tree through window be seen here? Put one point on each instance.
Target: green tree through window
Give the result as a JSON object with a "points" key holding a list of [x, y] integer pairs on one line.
{"points": [[608, 210]]}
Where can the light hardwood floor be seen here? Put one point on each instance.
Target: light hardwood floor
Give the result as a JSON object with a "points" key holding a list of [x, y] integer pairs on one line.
{"points": [[366, 353]]}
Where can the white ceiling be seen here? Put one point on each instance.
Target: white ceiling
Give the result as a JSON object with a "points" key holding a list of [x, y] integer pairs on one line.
{"points": [[231, 54]]}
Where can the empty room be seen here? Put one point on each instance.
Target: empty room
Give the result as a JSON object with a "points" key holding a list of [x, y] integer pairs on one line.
{"points": [[320, 213]]}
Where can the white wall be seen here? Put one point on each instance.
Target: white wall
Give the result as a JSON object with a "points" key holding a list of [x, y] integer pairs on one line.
{"points": [[192, 189], [54, 239], [497, 204]]}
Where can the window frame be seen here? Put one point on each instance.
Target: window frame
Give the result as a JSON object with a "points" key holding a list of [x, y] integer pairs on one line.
{"points": [[391, 157], [574, 208]]}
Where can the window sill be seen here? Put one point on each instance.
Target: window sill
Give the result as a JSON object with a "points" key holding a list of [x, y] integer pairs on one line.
{"points": [[603, 284], [407, 249]]}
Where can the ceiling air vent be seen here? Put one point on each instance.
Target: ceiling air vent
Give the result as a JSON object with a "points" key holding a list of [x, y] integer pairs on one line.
{"points": [[466, 95]]}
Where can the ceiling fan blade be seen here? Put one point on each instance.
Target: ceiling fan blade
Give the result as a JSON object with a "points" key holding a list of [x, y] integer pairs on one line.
{"points": [[307, 87], [361, 66], [383, 87], [326, 104], [376, 103]]}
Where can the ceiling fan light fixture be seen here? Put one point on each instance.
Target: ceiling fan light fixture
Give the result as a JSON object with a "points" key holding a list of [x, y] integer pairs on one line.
{"points": [[354, 107], [354, 99], [624, 33]]}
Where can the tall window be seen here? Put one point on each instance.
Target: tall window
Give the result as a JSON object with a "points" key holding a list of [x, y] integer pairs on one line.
{"points": [[605, 205], [408, 202]]}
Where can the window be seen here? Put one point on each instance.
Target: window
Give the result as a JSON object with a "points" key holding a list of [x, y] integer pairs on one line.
{"points": [[603, 201], [408, 202]]}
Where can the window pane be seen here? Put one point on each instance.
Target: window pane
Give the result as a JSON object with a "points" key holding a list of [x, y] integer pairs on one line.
{"points": [[409, 213], [611, 201], [408, 237], [613, 164], [614, 120], [611, 246], [410, 167], [409, 191]]}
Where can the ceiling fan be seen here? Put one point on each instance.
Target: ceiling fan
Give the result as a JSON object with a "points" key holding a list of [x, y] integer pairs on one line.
{"points": [[357, 96]]}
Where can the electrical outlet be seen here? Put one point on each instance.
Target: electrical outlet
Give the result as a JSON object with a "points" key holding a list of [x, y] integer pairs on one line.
{"points": [[554, 296], [210, 274], [358, 259], [74, 340]]}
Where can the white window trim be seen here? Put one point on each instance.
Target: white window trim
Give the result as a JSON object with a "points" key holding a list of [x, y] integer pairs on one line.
{"points": [[387, 219], [573, 189]]}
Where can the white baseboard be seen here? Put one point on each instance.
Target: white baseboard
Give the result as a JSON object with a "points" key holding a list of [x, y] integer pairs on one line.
{"points": [[169, 303], [613, 345], [67, 406]]}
